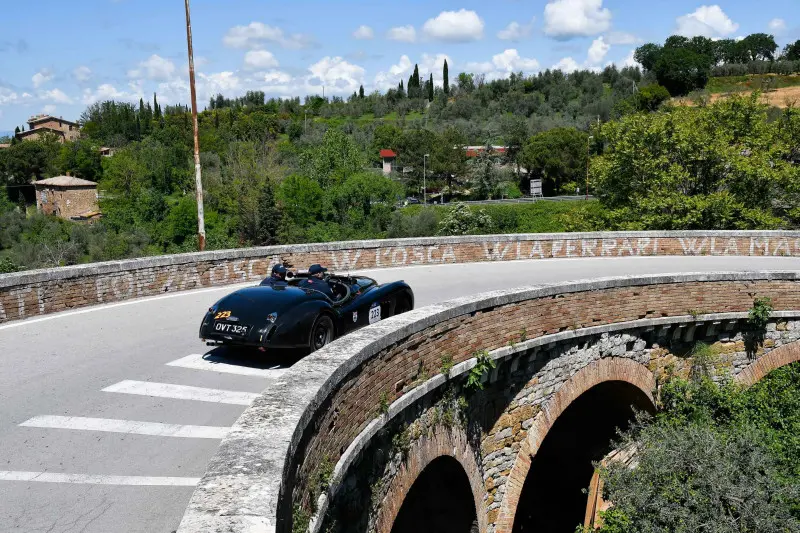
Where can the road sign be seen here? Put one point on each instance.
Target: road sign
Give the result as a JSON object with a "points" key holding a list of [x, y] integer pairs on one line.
{"points": [[536, 188]]}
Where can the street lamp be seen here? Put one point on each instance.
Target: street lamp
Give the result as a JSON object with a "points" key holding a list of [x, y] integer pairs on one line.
{"points": [[588, 141], [424, 184]]}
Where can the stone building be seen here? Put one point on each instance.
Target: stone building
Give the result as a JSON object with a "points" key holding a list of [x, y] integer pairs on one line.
{"points": [[38, 125], [67, 197]]}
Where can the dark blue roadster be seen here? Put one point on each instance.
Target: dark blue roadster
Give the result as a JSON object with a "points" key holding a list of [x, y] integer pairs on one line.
{"points": [[293, 315]]}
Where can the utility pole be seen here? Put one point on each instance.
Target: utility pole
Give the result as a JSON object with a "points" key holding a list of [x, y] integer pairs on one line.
{"points": [[198, 181], [424, 185], [589, 140]]}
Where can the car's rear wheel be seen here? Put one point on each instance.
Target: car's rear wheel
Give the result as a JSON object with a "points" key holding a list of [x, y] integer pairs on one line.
{"points": [[402, 305], [322, 332]]}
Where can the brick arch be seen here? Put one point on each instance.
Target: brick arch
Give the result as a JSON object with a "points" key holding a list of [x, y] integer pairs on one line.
{"points": [[780, 356], [603, 370], [451, 442]]}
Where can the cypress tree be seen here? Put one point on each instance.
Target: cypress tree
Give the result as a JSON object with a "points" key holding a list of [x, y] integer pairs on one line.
{"points": [[361, 92], [156, 107], [417, 84], [268, 216], [445, 78], [430, 88]]}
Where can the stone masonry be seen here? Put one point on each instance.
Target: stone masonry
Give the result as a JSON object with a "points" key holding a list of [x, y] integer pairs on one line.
{"points": [[32, 293]]}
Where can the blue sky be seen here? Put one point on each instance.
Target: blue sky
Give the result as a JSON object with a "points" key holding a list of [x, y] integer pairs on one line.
{"points": [[57, 56]]}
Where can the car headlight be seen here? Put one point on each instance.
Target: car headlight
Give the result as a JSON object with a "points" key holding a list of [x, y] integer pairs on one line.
{"points": [[272, 317]]}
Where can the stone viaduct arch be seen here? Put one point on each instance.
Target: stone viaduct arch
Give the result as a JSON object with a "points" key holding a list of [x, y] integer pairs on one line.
{"points": [[392, 405]]}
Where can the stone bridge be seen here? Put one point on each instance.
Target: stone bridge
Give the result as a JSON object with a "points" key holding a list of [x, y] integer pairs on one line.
{"points": [[408, 420]]}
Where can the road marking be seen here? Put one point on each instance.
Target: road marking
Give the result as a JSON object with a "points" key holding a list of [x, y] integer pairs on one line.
{"points": [[125, 426], [97, 479], [213, 363], [182, 392]]}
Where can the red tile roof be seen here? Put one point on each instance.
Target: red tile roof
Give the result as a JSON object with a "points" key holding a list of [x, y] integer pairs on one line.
{"points": [[388, 153]]}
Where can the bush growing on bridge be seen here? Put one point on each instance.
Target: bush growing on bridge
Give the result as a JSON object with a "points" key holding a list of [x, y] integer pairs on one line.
{"points": [[715, 458]]}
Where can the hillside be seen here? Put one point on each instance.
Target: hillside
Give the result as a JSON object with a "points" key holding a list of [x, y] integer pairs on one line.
{"points": [[777, 90]]}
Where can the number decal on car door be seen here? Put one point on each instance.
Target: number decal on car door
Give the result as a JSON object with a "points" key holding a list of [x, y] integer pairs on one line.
{"points": [[374, 313]]}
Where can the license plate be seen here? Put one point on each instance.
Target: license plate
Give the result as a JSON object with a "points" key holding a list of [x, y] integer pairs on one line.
{"points": [[375, 314], [227, 328]]}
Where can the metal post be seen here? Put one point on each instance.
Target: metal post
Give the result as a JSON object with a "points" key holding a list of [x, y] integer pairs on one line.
{"points": [[588, 140], [198, 181], [424, 184]]}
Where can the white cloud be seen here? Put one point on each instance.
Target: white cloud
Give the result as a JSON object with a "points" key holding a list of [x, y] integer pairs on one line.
{"points": [[41, 77], [385, 80], [503, 64], [434, 64], [259, 59], [7, 96], [777, 26], [389, 79], [276, 77], [154, 67], [55, 95], [364, 33], [454, 26], [630, 61], [336, 74], [82, 73], [49, 109], [405, 34], [567, 65], [597, 51], [706, 21], [621, 37], [516, 31], [255, 34], [571, 18], [107, 91]]}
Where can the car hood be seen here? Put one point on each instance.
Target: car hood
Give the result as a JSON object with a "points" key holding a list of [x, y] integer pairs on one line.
{"points": [[257, 302]]}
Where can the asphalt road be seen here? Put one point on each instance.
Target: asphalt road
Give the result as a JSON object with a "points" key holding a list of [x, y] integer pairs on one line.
{"points": [[109, 414]]}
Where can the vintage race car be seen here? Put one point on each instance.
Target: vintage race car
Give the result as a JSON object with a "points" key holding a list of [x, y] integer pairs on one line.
{"points": [[296, 316]]}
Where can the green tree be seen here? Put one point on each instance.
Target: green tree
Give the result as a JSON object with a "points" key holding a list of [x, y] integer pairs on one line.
{"points": [[430, 88], [759, 47], [647, 55], [650, 97], [269, 216], [792, 51], [445, 79], [682, 70], [558, 157], [449, 159], [514, 130], [156, 108], [687, 168], [300, 200], [361, 91], [332, 161]]}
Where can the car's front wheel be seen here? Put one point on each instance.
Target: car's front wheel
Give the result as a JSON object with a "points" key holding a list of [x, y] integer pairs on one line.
{"points": [[322, 332]]}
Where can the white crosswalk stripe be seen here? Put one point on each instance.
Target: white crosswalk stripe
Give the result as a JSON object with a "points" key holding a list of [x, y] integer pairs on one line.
{"points": [[182, 392], [97, 479], [126, 426], [197, 361]]}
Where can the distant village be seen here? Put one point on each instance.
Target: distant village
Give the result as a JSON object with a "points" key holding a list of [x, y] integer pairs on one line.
{"points": [[67, 197]]}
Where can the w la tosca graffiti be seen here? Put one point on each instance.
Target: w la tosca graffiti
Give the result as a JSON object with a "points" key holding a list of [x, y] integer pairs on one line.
{"points": [[529, 249], [49, 296]]}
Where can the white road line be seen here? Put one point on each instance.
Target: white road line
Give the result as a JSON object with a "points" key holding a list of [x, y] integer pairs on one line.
{"points": [[97, 479], [197, 361], [125, 426], [182, 392]]}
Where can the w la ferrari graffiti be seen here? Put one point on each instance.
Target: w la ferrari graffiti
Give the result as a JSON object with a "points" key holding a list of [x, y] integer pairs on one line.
{"points": [[292, 315]]}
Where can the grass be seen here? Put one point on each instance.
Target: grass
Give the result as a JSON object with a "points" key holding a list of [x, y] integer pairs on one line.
{"points": [[751, 82]]}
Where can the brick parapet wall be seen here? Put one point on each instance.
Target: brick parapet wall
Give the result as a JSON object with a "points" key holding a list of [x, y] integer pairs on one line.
{"points": [[38, 292], [317, 412]]}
